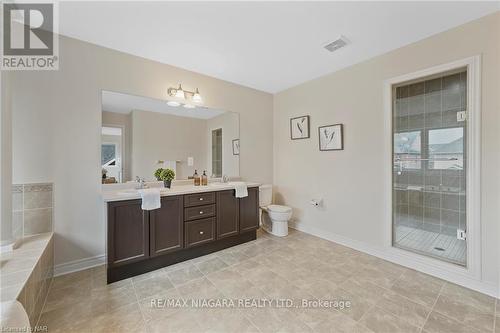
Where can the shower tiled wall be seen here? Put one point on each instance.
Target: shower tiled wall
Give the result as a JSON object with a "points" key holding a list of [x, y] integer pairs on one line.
{"points": [[425, 196], [32, 207]]}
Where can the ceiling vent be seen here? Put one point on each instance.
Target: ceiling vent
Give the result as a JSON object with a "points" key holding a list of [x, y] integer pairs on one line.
{"points": [[336, 44]]}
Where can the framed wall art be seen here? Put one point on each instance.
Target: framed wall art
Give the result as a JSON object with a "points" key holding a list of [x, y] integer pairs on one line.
{"points": [[299, 128], [331, 137]]}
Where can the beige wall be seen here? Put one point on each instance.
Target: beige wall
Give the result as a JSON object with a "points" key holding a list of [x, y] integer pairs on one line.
{"points": [[158, 136], [353, 200], [124, 121], [32, 134], [6, 235], [229, 122], [63, 109]]}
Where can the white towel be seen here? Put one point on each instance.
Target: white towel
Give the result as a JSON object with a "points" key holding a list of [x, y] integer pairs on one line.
{"points": [[170, 165], [241, 189], [150, 198]]}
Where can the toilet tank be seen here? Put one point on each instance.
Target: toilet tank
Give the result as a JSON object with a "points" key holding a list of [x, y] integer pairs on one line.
{"points": [[265, 195]]}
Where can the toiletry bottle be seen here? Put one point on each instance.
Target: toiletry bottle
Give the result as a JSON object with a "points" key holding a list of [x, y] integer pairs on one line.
{"points": [[196, 178], [204, 179]]}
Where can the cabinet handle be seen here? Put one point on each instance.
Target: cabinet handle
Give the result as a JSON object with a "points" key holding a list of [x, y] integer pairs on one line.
{"points": [[201, 212], [201, 199], [201, 232]]}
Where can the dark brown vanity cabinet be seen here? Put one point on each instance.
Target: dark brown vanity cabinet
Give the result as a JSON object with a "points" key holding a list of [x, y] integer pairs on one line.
{"points": [[128, 232], [166, 227], [249, 211], [228, 214], [185, 227]]}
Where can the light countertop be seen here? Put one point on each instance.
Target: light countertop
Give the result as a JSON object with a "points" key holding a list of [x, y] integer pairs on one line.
{"points": [[130, 193], [17, 265]]}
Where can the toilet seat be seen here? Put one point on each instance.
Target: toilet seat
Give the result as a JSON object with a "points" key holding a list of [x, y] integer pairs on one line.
{"points": [[279, 209], [279, 213]]}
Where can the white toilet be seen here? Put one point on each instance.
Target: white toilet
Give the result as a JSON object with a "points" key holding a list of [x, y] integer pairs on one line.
{"points": [[273, 218]]}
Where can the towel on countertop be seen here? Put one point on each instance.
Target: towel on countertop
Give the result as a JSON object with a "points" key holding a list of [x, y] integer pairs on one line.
{"points": [[241, 189], [150, 198]]}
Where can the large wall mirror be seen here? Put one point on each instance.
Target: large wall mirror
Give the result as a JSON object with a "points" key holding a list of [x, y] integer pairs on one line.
{"points": [[140, 135]]}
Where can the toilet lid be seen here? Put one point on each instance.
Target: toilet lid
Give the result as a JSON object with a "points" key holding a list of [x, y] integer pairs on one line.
{"points": [[279, 208]]}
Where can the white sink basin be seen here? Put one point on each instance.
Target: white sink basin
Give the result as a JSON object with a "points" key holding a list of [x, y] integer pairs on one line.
{"points": [[128, 192]]}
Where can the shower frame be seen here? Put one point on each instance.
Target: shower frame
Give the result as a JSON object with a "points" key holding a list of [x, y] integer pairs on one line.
{"points": [[452, 272]]}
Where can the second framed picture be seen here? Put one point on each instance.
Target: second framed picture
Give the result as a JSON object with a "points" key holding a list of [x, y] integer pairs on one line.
{"points": [[331, 137]]}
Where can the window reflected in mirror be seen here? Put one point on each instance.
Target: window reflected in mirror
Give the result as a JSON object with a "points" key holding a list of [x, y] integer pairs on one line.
{"points": [[111, 161], [217, 153]]}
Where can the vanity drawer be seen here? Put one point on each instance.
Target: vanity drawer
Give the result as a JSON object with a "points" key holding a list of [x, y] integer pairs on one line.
{"points": [[199, 232], [199, 212], [199, 199]]}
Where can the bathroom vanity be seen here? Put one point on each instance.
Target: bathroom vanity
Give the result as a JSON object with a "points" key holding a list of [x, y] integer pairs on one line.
{"points": [[193, 221], [139, 136]]}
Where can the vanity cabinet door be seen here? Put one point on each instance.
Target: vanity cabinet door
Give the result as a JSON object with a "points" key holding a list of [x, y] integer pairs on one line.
{"points": [[128, 232], [249, 210], [228, 214], [167, 226]]}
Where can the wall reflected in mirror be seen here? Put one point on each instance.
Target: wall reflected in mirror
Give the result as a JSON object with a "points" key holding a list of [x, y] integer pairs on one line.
{"points": [[141, 134]]}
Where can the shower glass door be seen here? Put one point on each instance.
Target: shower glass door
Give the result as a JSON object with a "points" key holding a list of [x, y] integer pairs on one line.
{"points": [[429, 160]]}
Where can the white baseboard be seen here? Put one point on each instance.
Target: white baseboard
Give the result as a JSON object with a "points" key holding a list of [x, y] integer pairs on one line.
{"points": [[396, 257], [79, 265]]}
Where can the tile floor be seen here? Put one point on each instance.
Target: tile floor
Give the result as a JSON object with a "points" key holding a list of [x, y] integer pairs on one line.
{"points": [[383, 297]]}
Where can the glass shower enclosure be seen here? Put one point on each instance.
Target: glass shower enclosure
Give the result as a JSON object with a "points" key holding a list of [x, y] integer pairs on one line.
{"points": [[429, 166]]}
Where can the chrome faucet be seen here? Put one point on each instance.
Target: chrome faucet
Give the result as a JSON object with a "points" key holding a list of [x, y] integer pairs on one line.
{"points": [[225, 179], [141, 184]]}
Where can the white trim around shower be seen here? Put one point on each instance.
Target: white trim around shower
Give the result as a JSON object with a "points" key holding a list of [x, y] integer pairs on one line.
{"points": [[446, 270]]}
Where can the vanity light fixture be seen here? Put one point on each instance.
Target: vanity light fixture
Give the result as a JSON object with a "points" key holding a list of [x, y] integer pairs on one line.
{"points": [[183, 94]]}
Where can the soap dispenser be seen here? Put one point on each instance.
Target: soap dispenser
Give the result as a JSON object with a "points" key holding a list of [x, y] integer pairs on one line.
{"points": [[204, 178], [196, 178]]}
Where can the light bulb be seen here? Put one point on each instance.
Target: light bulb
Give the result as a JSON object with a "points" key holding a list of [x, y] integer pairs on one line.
{"points": [[180, 93], [197, 97]]}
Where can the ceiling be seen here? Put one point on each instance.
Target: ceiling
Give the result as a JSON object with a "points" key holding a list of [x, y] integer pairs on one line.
{"points": [[125, 103], [269, 46]]}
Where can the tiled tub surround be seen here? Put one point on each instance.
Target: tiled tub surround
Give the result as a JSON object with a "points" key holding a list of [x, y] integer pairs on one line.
{"points": [[32, 209], [26, 273], [384, 297], [429, 193]]}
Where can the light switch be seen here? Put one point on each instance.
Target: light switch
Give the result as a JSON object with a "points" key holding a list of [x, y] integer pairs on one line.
{"points": [[190, 161]]}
